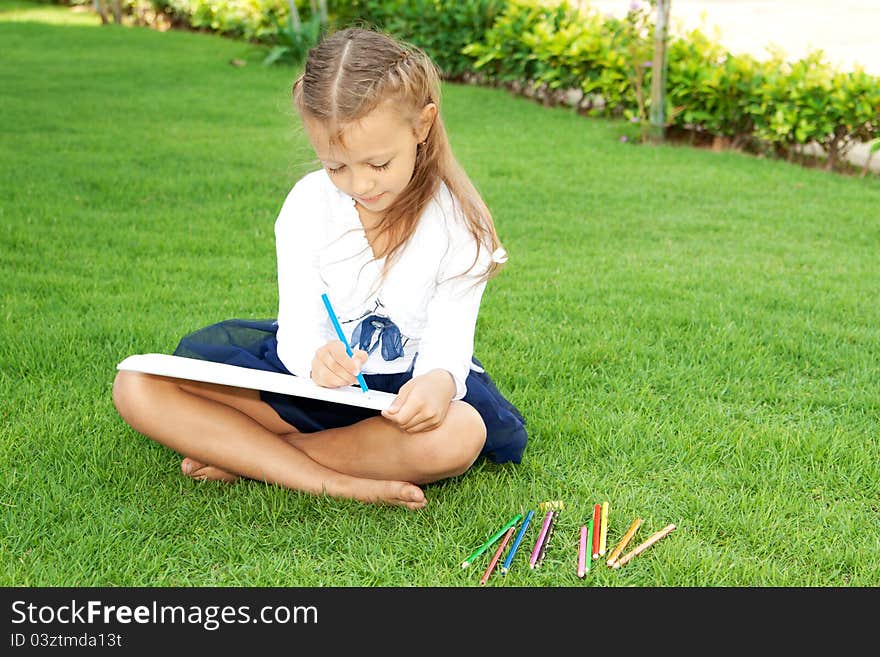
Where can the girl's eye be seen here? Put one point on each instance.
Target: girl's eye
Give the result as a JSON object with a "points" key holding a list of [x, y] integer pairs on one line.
{"points": [[375, 167]]}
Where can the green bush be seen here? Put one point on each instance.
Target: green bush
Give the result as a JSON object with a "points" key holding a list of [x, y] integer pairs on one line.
{"points": [[559, 53], [441, 27], [772, 105], [708, 90], [506, 51], [292, 43], [810, 101], [253, 20], [559, 48]]}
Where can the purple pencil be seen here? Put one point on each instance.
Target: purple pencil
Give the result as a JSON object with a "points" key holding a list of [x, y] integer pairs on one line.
{"points": [[537, 549]]}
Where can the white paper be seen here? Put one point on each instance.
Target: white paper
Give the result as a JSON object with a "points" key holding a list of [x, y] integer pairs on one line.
{"points": [[194, 369]]}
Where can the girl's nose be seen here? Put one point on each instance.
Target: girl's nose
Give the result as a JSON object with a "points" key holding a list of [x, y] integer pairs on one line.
{"points": [[361, 184]]}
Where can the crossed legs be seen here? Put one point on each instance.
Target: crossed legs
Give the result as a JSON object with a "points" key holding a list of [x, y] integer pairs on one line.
{"points": [[225, 432]]}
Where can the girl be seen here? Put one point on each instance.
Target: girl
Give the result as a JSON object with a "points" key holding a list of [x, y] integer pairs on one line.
{"points": [[394, 232]]}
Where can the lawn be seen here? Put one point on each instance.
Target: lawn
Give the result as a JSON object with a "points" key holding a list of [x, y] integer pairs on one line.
{"points": [[692, 336]]}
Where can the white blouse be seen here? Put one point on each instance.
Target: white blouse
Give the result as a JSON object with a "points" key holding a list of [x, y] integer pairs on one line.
{"points": [[424, 306]]}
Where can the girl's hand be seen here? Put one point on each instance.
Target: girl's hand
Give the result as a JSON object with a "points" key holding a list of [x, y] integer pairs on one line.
{"points": [[422, 403], [332, 367]]}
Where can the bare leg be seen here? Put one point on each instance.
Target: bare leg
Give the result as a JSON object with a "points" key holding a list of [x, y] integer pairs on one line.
{"points": [[248, 402], [213, 432], [378, 449], [374, 448]]}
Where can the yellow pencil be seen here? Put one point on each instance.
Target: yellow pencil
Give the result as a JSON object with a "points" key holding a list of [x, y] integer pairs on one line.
{"points": [[644, 546], [624, 541], [603, 537]]}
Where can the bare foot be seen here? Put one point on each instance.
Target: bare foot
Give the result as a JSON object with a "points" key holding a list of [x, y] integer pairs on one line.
{"points": [[397, 493], [201, 472]]}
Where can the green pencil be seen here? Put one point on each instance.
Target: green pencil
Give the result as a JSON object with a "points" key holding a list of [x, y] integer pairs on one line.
{"points": [[494, 537], [589, 543]]}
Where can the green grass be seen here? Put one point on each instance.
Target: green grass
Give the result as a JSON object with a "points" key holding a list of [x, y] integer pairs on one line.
{"points": [[692, 336]]}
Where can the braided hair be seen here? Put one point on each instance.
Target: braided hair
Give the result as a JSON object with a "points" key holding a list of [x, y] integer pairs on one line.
{"points": [[352, 72]]}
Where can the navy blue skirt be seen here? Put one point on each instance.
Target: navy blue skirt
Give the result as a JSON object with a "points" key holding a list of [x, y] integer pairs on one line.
{"points": [[253, 343]]}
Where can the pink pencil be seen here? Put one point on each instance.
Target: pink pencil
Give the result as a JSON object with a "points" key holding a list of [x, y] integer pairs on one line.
{"points": [[491, 566], [582, 552], [535, 552]]}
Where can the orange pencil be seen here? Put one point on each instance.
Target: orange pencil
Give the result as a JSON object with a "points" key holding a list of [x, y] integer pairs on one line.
{"points": [[624, 541], [491, 566], [597, 528], [644, 546]]}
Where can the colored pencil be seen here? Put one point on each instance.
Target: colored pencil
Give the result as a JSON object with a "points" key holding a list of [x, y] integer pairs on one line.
{"points": [[589, 556], [597, 528], [341, 336], [603, 534], [516, 542], [582, 552], [491, 566], [656, 536], [492, 539], [538, 543], [627, 537], [547, 537]]}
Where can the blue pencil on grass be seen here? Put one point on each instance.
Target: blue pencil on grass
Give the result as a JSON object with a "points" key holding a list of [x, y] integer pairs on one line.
{"points": [[341, 335], [516, 542]]}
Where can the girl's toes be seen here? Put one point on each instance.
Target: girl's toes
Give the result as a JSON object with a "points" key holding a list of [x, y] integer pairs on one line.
{"points": [[189, 466], [201, 472]]}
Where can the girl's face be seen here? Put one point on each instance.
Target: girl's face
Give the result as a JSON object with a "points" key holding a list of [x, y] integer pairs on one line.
{"points": [[374, 159]]}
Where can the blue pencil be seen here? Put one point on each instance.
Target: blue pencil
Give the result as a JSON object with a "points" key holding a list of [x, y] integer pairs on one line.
{"points": [[522, 531], [342, 337]]}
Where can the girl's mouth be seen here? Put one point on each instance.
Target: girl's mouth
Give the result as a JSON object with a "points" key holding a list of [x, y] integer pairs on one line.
{"points": [[371, 199]]}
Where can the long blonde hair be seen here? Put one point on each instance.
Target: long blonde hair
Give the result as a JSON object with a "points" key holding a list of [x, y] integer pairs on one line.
{"points": [[350, 73]]}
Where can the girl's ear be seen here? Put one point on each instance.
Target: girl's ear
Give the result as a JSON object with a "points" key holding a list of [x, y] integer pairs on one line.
{"points": [[426, 120]]}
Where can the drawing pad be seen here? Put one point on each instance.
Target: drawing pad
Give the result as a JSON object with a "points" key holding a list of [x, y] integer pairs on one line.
{"points": [[194, 369]]}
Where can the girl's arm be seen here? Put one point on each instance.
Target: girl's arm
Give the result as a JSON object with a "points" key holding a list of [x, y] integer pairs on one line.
{"points": [[302, 318], [448, 340], [447, 344]]}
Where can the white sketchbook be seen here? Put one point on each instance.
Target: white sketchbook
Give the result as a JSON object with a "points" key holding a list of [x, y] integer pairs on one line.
{"points": [[194, 369]]}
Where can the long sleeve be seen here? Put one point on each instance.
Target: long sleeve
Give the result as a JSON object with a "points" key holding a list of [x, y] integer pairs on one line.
{"points": [[448, 340], [302, 319], [431, 295]]}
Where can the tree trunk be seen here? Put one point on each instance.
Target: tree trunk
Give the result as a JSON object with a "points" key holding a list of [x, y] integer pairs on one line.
{"points": [[658, 73], [101, 11]]}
